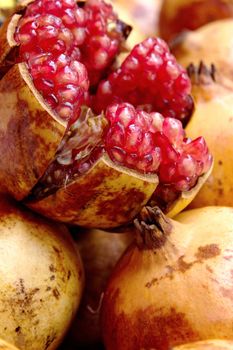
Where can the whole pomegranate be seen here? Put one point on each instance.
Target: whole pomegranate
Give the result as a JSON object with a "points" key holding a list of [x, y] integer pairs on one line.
{"points": [[177, 16], [212, 344], [214, 101], [42, 279], [196, 46], [80, 136], [174, 284], [100, 251]]}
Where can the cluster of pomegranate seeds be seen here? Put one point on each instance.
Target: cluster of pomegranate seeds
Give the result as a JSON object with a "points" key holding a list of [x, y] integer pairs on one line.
{"points": [[149, 77], [68, 48], [105, 34], [150, 143]]}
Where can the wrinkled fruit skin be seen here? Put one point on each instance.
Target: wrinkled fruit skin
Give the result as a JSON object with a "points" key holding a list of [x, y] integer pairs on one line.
{"points": [[42, 279], [166, 290], [181, 15], [213, 344], [100, 251]]}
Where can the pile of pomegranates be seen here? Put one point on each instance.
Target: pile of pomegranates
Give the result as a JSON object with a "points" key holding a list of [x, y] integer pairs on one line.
{"points": [[111, 136]]}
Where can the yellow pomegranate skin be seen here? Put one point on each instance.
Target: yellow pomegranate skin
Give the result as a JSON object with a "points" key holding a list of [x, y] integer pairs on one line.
{"points": [[177, 16], [41, 279], [213, 119], [143, 14], [6, 346], [213, 344], [212, 90], [195, 46], [176, 288]]}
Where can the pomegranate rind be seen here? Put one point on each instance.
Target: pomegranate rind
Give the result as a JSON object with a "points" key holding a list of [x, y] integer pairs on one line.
{"points": [[6, 346], [212, 344], [107, 196], [187, 197], [181, 291], [180, 15], [29, 133], [7, 36], [195, 46], [217, 129]]}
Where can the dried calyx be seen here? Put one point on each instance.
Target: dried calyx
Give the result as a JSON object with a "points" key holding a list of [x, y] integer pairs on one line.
{"points": [[152, 228]]}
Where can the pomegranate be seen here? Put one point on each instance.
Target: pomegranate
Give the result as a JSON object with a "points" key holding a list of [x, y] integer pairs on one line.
{"points": [[174, 284], [195, 46], [89, 135], [213, 91], [100, 251], [181, 15], [214, 100], [213, 344], [42, 279]]}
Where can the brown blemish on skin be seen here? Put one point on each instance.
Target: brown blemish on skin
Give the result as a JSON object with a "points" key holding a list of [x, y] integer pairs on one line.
{"points": [[208, 252], [49, 341], [220, 162], [56, 293], [208, 268], [52, 267], [227, 293], [220, 192], [24, 130], [126, 200], [155, 280], [183, 266], [148, 328]]}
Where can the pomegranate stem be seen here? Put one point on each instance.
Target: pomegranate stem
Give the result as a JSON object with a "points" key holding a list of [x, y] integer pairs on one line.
{"points": [[152, 228]]}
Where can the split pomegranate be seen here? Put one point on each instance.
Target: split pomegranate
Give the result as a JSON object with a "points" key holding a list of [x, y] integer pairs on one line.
{"points": [[181, 15], [90, 129], [174, 284]]}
